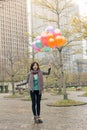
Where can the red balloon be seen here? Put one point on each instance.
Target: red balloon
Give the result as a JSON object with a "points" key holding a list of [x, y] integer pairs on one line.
{"points": [[57, 34], [44, 39]]}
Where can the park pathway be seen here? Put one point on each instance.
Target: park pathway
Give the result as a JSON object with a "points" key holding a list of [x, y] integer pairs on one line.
{"points": [[16, 114]]}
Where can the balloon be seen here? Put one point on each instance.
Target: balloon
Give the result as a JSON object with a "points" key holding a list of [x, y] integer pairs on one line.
{"points": [[63, 40], [39, 44], [50, 35], [48, 39], [49, 29], [46, 49], [57, 32], [60, 41], [51, 43], [44, 33], [44, 39], [38, 38], [34, 46]]}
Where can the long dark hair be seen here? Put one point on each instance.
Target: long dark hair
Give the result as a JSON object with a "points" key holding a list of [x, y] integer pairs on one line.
{"points": [[31, 67]]}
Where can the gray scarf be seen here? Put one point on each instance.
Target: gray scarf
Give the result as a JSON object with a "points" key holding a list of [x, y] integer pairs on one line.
{"points": [[40, 79]]}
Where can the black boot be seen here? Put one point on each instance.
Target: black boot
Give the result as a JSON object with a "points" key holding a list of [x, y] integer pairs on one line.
{"points": [[36, 121], [39, 120]]}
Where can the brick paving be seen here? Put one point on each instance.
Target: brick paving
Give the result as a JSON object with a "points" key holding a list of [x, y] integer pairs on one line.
{"points": [[16, 114]]}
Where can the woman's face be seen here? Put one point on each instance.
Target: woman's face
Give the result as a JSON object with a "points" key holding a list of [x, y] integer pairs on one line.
{"points": [[35, 67]]}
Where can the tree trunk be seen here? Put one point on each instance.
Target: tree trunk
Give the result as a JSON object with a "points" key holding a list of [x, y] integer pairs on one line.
{"points": [[33, 55], [62, 77], [12, 82], [59, 90], [59, 86], [64, 88]]}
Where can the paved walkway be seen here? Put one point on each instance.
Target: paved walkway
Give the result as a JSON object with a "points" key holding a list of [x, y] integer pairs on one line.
{"points": [[16, 114]]}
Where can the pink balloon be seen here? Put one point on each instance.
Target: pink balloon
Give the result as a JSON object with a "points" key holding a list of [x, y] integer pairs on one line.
{"points": [[38, 38], [35, 47], [50, 29], [57, 32]]}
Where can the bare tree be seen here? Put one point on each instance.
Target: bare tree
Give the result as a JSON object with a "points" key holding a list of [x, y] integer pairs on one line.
{"points": [[56, 12], [16, 67], [80, 26]]}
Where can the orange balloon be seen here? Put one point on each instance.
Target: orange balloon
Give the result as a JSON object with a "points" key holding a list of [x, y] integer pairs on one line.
{"points": [[51, 43], [63, 40], [60, 41], [50, 35]]}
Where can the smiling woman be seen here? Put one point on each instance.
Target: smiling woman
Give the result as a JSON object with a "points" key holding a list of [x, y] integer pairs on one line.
{"points": [[82, 6]]}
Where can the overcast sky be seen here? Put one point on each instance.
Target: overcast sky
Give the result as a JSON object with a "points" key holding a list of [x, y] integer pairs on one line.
{"points": [[82, 6]]}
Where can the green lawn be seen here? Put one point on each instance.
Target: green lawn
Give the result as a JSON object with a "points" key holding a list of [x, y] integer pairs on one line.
{"points": [[66, 103], [84, 95], [17, 95], [14, 96], [74, 89]]}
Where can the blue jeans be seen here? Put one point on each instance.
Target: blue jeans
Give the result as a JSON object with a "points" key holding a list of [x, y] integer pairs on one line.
{"points": [[35, 98]]}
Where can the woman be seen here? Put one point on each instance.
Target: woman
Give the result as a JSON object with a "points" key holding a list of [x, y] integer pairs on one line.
{"points": [[35, 83]]}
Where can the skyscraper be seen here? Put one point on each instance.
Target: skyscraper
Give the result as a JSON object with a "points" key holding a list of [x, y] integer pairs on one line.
{"points": [[13, 26]]}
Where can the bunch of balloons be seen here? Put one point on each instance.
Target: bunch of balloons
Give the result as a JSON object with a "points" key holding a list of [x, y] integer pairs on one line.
{"points": [[49, 39]]}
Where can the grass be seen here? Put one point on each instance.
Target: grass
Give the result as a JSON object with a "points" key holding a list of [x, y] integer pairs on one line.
{"points": [[14, 96], [17, 95], [65, 103], [74, 89], [84, 95], [71, 89], [55, 91], [84, 88], [27, 98]]}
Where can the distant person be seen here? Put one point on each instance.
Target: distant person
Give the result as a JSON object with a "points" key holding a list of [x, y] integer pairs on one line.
{"points": [[35, 84]]}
